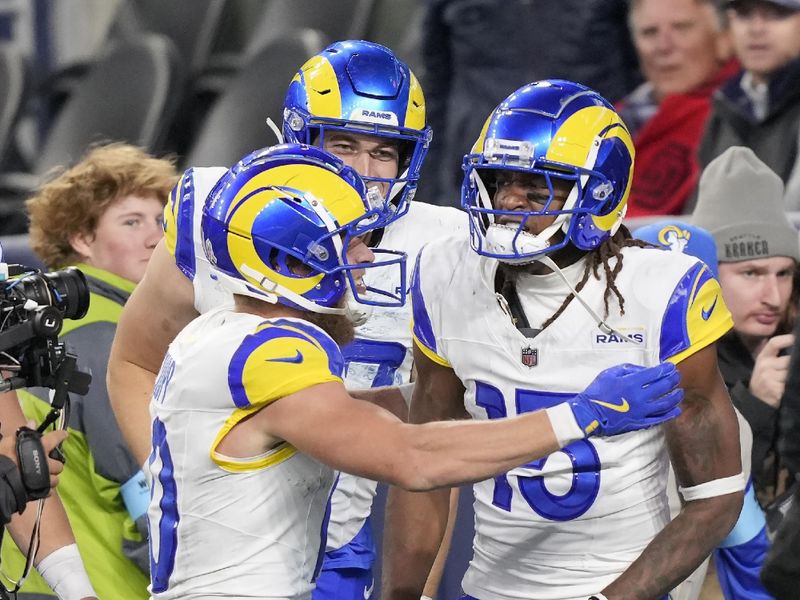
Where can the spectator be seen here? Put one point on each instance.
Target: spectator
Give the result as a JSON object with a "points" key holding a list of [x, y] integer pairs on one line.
{"points": [[475, 53], [760, 107], [684, 54], [740, 202], [103, 215]]}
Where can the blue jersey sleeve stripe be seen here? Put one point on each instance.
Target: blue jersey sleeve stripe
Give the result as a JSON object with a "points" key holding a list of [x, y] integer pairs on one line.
{"points": [[423, 329], [335, 359], [184, 223], [674, 329], [323, 532]]}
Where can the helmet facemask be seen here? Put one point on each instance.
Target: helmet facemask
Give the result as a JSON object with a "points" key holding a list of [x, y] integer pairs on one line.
{"points": [[412, 146], [591, 194]]}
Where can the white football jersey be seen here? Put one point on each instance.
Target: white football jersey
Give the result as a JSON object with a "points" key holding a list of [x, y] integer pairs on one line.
{"points": [[563, 527], [380, 354], [235, 527]]}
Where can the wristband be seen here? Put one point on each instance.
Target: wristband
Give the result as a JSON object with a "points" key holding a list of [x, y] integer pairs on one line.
{"points": [[713, 488], [63, 571], [136, 495], [564, 425]]}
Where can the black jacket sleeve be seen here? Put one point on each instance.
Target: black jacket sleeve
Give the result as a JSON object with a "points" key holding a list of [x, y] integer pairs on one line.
{"points": [[13, 496], [789, 423]]}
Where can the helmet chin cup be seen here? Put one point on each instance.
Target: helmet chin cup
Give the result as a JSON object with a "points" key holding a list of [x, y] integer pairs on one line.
{"points": [[356, 313], [502, 240]]}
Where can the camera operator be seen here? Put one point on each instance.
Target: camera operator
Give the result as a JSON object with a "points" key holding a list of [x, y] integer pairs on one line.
{"points": [[57, 559], [32, 355]]}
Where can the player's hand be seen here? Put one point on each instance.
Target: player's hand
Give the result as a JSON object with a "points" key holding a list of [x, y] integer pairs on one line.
{"points": [[770, 370], [628, 397]]}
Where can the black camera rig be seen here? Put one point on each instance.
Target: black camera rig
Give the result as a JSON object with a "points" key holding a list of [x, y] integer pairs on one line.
{"points": [[33, 306]]}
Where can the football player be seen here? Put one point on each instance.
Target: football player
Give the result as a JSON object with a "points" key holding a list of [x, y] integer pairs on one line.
{"points": [[554, 291], [250, 414], [361, 103]]}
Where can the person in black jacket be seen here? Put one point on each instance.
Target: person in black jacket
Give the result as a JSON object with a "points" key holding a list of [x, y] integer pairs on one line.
{"points": [[782, 568], [760, 106], [740, 203]]}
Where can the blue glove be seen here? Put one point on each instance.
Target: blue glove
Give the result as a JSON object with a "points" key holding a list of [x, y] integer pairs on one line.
{"points": [[628, 397]]}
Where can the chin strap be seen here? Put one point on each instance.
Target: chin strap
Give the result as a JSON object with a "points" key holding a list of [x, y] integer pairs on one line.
{"points": [[357, 313], [397, 187], [271, 124], [272, 290]]}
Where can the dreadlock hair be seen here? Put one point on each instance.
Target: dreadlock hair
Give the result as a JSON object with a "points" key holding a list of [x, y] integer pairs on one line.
{"points": [[602, 256]]}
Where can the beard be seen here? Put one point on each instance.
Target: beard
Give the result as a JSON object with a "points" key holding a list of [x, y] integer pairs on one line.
{"points": [[339, 327]]}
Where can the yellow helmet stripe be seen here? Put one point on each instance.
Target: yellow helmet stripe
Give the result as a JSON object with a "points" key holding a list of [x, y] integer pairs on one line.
{"points": [[340, 199], [573, 142], [478, 145], [415, 110], [322, 88]]}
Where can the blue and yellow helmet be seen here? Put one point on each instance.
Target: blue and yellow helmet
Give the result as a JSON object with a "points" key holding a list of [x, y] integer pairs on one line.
{"points": [[361, 87], [288, 205], [559, 130]]}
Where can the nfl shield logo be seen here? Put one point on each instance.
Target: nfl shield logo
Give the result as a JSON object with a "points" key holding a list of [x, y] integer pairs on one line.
{"points": [[530, 356]]}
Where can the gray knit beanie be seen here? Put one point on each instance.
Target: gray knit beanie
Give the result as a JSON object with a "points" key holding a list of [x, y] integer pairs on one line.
{"points": [[740, 202]]}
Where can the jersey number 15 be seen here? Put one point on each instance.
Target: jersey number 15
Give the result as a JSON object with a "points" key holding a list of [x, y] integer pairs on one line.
{"points": [[582, 455]]}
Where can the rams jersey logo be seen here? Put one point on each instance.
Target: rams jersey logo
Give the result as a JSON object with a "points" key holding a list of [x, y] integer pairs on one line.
{"points": [[618, 337]]}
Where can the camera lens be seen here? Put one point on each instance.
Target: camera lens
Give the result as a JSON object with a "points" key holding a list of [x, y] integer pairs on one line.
{"points": [[73, 291], [67, 290]]}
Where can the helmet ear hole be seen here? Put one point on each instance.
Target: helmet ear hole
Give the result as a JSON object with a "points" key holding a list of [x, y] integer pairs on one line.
{"points": [[296, 267], [614, 161]]}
